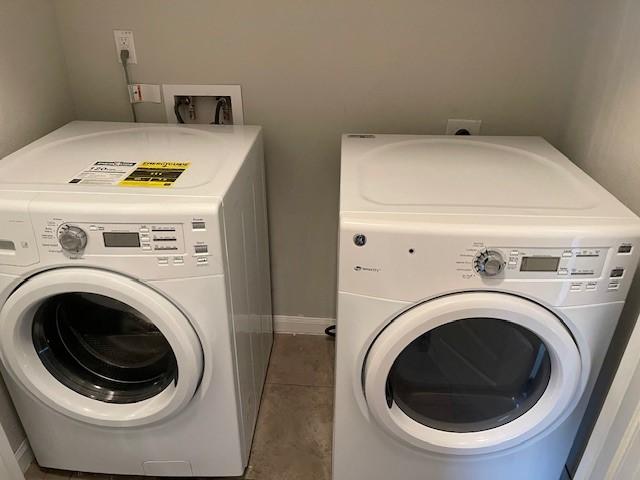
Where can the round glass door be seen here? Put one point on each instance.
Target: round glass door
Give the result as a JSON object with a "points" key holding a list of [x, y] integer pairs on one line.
{"points": [[102, 348], [471, 373]]}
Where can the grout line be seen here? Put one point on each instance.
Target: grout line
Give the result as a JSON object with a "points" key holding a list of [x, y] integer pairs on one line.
{"points": [[300, 385]]}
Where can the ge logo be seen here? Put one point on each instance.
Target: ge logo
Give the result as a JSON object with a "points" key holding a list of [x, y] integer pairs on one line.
{"points": [[359, 239]]}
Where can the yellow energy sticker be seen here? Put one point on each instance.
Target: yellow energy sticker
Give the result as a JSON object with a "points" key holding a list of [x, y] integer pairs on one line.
{"points": [[155, 174]]}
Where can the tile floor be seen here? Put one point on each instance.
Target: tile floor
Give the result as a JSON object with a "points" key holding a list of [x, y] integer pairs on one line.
{"points": [[293, 434]]}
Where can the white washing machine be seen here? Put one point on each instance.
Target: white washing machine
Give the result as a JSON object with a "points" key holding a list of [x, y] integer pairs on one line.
{"points": [[135, 319], [480, 282]]}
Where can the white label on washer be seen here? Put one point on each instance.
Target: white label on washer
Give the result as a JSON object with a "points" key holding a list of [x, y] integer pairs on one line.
{"points": [[104, 173]]}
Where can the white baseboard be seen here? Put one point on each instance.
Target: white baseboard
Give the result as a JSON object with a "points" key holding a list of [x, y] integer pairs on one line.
{"points": [[24, 455], [301, 325]]}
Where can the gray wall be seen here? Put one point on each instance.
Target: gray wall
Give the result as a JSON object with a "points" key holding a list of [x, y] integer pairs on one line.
{"points": [[34, 99], [603, 137], [312, 70]]}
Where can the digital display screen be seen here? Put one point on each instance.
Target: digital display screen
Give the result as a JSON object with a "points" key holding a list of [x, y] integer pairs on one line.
{"points": [[539, 264], [121, 239]]}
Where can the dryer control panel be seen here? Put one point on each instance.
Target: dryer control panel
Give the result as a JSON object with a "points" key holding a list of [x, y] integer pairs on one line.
{"points": [[544, 262], [409, 262]]}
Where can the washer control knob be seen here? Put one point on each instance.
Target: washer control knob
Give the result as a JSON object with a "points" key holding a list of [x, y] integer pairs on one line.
{"points": [[72, 239], [489, 263]]}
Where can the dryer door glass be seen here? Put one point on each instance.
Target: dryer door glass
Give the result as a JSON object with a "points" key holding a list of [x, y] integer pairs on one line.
{"points": [[470, 375], [102, 348]]}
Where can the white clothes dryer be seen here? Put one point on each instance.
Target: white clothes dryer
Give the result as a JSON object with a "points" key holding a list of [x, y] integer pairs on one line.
{"points": [[135, 308], [480, 282]]}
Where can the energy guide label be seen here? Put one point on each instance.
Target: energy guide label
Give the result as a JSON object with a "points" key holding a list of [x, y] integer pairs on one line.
{"points": [[103, 173], [155, 174]]}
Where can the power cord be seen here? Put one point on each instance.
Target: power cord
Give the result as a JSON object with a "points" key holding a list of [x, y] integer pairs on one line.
{"points": [[331, 331], [124, 57]]}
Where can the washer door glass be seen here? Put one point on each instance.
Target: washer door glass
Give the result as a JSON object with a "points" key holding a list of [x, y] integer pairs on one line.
{"points": [[470, 375], [102, 348]]}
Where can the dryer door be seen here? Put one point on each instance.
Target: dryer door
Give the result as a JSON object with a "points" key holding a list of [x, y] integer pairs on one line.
{"points": [[100, 347], [471, 373]]}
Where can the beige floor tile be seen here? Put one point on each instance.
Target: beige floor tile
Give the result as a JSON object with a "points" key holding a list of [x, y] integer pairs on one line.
{"points": [[56, 475], [101, 476], [293, 436], [34, 472], [302, 360]]}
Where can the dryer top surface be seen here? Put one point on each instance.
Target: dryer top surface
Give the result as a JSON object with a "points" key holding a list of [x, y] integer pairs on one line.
{"points": [[515, 176]]}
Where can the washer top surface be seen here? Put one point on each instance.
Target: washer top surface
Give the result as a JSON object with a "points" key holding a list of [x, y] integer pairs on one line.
{"points": [[208, 156], [515, 176]]}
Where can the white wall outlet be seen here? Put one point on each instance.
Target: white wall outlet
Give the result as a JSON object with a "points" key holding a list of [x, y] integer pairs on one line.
{"points": [[124, 41], [202, 108], [459, 126], [142, 92]]}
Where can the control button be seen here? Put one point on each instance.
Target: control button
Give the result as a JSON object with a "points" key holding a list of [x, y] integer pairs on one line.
{"points": [[178, 261], [513, 261], [576, 287], [200, 249], [146, 247], [144, 230], [625, 249], [93, 228], [563, 271], [617, 272], [198, 226], [202, 260], [514, 253], [592, 286], [613, 286], [163, 261], [567, 253]]}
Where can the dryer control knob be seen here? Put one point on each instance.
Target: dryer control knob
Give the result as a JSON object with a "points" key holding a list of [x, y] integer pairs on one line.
{"points": [[489, 263], [72, 239]]}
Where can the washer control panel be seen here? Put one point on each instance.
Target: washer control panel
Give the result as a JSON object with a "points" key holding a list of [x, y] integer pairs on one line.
{"points": [[120, 238], [166, 242]]}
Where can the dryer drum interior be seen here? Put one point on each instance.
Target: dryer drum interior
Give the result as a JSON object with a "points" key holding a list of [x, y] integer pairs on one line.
{"points": [[102, 348], [470, 375]]}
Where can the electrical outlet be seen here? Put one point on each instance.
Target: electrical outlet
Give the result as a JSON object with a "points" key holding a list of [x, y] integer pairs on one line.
{"points": [[459, 126], [124, 41]]}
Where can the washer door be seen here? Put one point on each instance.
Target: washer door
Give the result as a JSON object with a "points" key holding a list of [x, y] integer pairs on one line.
{"points": [[471, 373], [100, 347]]}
